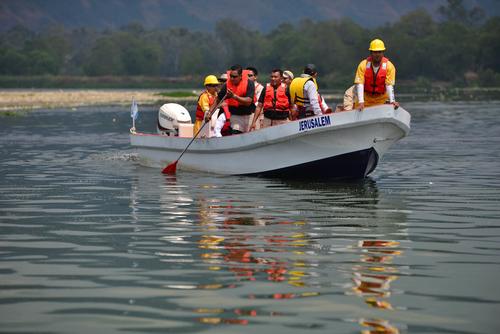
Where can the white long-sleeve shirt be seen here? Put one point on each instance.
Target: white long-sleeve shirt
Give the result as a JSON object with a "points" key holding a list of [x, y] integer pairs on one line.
{"points": [[311, 93], [219, 124], [360, 88]]}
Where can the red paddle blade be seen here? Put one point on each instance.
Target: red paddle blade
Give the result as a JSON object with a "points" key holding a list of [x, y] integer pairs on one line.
{"points": [[171, 168]]}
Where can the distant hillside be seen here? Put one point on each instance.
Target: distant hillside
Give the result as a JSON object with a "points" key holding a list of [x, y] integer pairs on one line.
{"points": [[261, 15]]}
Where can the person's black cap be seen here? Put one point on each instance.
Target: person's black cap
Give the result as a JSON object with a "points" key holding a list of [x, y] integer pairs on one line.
{"points": [[310, 69]]}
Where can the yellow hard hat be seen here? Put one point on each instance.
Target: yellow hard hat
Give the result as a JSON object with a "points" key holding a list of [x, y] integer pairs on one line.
{"points": [[211, 80], [377, 45]]}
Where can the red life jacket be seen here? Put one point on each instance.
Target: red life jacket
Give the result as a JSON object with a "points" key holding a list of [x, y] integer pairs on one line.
{"points": [[240, 90], [375, 83], [226, 128], [276, 99], [200, 114]]}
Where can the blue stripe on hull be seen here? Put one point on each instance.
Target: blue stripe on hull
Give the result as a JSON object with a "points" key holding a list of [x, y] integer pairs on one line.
{"points": [[354, 165]]}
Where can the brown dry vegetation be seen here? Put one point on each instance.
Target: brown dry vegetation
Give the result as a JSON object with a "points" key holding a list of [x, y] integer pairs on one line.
{"points": [[41, 99]]}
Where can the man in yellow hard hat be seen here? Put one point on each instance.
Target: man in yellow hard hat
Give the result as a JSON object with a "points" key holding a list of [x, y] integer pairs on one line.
{"points": [[375, 78], [206, 100]]}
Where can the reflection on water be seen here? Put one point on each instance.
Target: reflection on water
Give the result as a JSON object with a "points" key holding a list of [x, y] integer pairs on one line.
{"points": [[372, 280], [93, 242], [256, 261], [250, 257]]}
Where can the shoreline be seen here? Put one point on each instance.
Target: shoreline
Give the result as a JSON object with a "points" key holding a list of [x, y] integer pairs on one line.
{"points": [[20, 99], [14, 100], [29, 99]]}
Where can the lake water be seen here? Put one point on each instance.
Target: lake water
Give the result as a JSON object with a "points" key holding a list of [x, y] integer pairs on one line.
{"points": [[91, 242]]}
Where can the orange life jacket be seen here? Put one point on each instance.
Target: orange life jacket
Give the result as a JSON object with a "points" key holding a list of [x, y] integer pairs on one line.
{"points": [[200, 114], [276, 99], [240, 90], [375, 83]]}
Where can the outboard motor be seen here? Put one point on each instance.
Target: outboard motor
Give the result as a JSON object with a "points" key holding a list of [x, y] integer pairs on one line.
{"points": [[170, 116]]}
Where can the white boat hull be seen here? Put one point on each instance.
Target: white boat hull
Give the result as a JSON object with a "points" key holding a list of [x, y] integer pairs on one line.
{"points": [[345, 144]]}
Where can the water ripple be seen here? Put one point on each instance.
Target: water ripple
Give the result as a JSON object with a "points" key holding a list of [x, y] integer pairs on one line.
{"points": [[94, 241]]}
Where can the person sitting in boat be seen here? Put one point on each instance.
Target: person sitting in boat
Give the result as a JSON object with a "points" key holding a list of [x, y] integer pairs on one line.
{"points": [[239, 93], [287, 77], [252, 75], [349, 101], [222, 79], [275, 101], [375, 78], [205, 100], [304, 93], [222, 125]]}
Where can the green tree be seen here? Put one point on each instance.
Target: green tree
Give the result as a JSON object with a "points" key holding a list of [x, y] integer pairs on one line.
{"points": [[455, 11], [140, 57], [41, 62], [449, 53], [407, 43], [52, 46], [240, 45], [489, 45], [104, 59], [12, 62]]}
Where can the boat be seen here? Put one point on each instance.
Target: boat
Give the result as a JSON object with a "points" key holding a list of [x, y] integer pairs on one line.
{"points": [[346, 144]]}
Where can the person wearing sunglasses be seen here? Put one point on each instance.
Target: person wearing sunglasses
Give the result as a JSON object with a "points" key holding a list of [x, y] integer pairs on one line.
{"points": [[239, 93]]}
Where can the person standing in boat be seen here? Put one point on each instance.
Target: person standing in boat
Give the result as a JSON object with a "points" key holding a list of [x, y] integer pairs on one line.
{"points": [[375, 78], [206, 100], [239, 93], [275, 101], [252, 75], [304, 93]]}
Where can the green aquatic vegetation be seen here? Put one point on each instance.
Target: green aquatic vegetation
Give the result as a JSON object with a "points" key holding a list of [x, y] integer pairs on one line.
{"points": [[13, 113], [177, 94]]}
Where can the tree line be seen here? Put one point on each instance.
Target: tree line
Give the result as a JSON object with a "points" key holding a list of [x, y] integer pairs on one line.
{"points": [[462, 49]]}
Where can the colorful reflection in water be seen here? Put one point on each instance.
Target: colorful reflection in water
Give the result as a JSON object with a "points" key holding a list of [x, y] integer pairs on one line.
{"points": [[372, 279], [251, 258]]}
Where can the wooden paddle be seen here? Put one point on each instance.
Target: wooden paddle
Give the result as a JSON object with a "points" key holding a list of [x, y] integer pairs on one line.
{"points": [[172, 167]]}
